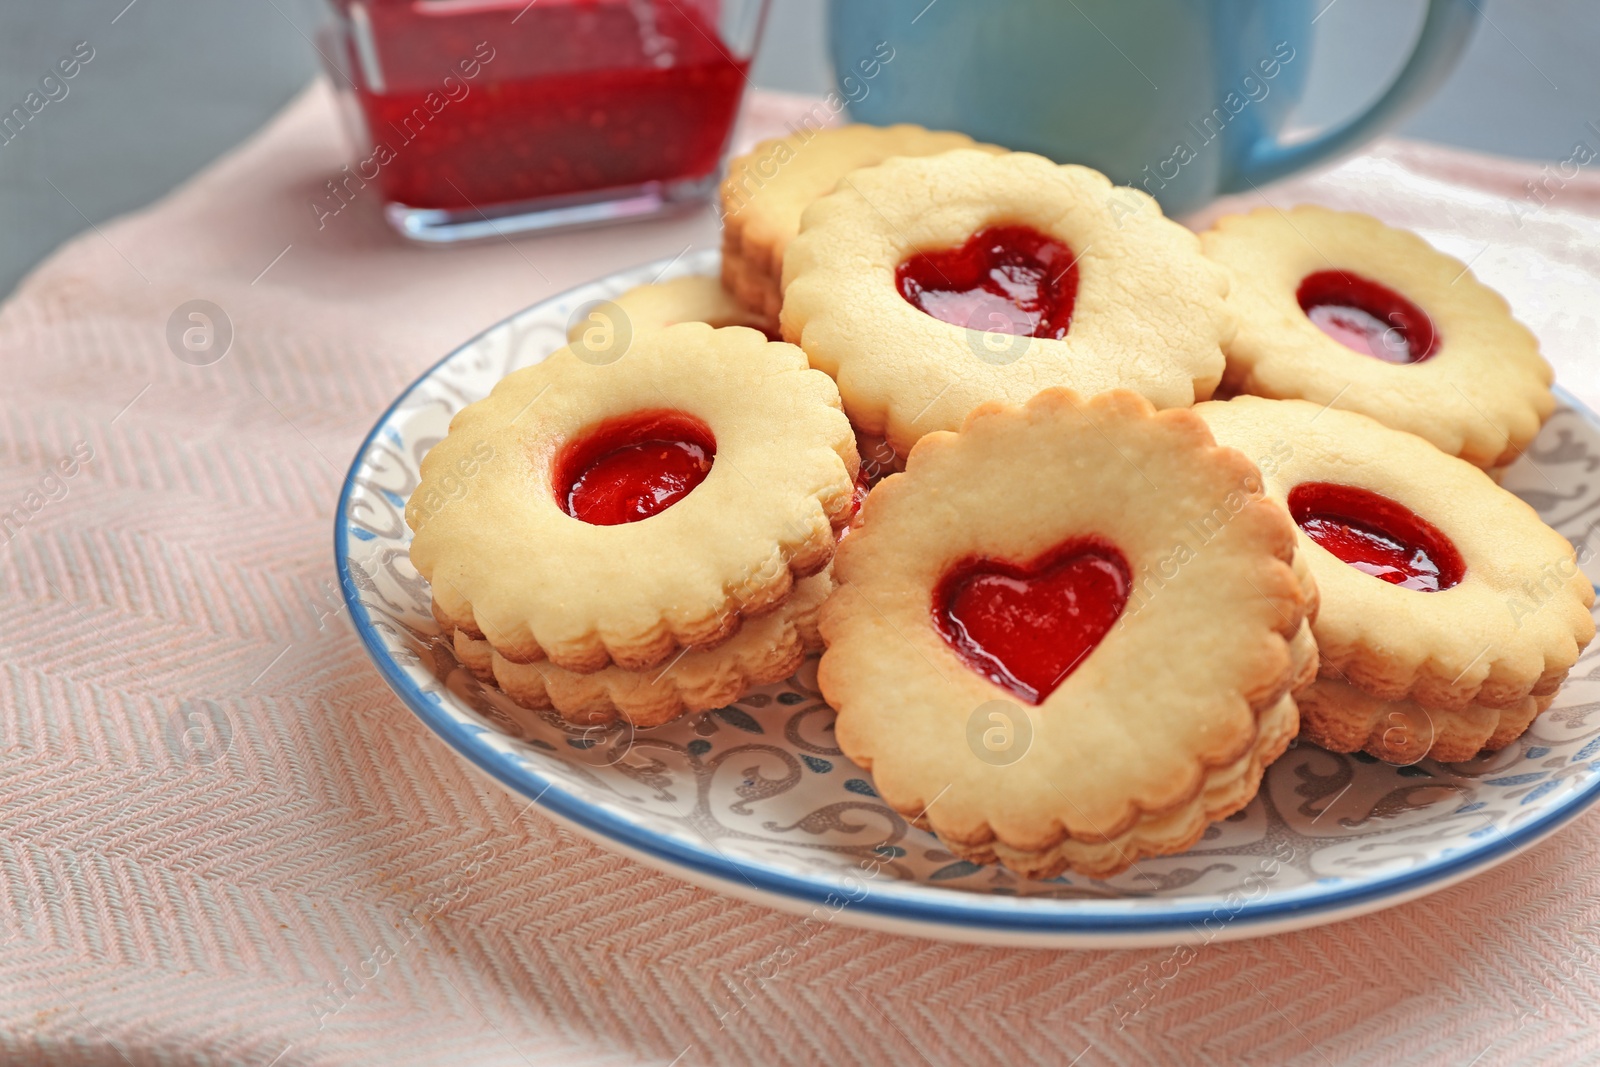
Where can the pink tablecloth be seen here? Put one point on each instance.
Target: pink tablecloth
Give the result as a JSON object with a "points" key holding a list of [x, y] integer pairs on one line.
{"points": [[226, 842]]}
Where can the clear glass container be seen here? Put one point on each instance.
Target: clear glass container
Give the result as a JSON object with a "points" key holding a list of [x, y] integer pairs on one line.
{"points": [[477, 118]]}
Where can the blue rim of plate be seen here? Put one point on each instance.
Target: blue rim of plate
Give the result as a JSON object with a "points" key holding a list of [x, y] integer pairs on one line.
{"points": [[942, 907]]}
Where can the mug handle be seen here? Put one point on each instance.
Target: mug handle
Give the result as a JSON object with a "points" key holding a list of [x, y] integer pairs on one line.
{"points": [[1445, 32]]}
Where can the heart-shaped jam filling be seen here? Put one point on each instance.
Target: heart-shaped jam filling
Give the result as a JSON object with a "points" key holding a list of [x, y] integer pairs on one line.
{"points": [[1367, 317], [1377, 536], [1027, 627], [634, 467], [1005, 279]]}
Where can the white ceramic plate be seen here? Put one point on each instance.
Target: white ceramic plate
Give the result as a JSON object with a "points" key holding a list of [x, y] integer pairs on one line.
{"points": [[756, 800]]}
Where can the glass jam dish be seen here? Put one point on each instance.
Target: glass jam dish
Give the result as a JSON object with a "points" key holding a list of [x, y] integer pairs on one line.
{"points": [[477, 118]]}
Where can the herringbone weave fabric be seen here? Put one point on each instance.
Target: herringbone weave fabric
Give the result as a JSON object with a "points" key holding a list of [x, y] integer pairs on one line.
{"points": [[225, 842]]}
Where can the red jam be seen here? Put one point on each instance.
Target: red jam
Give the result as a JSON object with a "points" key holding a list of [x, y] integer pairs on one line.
{"points": [[1026, 628], [563, 96], [1005, 279], [631, 468], [1377, 536], [858, 496], [1367, 317]]}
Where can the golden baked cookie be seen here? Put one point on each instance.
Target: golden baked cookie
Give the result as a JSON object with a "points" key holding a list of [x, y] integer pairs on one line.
{"points": [[1438, 587], [1066, 636], [1337, 308], [1303, 646], [927, 286], [768, 188], [598, 513], [766, 649], [751, 286], [1342, 718], [689, 298]]}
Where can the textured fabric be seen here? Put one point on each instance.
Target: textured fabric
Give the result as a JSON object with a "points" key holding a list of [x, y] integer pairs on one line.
{"points": [[225, 841]]}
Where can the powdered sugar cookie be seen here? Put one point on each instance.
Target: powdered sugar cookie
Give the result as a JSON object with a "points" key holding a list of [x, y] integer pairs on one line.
{"points": [[1066, 636], [1337, 308], [1438, 587], [766, 649], [768, 188], [619, 512], [927, 286]]}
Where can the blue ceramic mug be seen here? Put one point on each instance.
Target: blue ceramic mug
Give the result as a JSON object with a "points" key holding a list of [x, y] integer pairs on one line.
{"points": [[1185, 99]]}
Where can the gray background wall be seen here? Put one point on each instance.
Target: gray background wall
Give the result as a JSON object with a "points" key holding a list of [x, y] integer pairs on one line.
{"points": [[175, 83]]}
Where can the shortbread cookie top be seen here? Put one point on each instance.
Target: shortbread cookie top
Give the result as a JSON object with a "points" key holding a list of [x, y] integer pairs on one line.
{"points": [[1455, 592], [600, 512], [1091, 578], [768, 187], [1337, 308], [690, 298], [1025, 275]]}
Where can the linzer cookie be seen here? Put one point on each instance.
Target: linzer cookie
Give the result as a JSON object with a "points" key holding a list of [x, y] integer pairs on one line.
{"points": [[767, 189], [1450, 614], [766, 649], [1066, 636], [1337, 308], [610, 325], [618, 512], [1344, 718], [926, 286]]}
